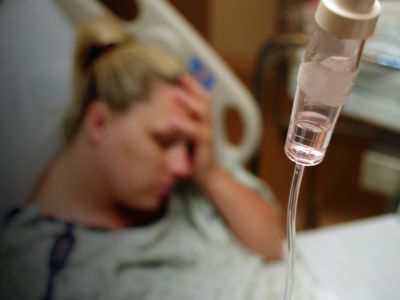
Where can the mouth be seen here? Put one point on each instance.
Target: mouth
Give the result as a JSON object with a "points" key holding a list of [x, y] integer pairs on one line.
{"points": [[163, 189]]}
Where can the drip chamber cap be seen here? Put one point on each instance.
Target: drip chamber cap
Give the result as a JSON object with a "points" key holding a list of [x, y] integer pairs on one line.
{"points": [[351, 19]]}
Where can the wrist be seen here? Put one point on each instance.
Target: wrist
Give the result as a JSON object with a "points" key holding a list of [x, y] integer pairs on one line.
{"points": [[210, 177]]}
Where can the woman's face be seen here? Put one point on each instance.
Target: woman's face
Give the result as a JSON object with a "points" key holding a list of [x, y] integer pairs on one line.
{"points": [[140, 152]]}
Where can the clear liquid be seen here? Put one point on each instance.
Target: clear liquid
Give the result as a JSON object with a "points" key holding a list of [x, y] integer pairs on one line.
{"points": [[308, 138]]}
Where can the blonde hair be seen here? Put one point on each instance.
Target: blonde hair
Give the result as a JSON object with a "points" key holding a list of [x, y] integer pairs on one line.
{"points": [[110, 66]]}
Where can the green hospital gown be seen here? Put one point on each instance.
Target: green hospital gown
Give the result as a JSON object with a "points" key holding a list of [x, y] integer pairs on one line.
{"points": [[187, 254]]}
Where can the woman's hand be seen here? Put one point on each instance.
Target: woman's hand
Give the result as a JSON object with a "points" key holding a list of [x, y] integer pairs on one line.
{"points": [[197, 126], [254, 221]]}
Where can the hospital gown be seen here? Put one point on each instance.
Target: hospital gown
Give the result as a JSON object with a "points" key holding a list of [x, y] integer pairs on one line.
{"points": [[187, 254]]}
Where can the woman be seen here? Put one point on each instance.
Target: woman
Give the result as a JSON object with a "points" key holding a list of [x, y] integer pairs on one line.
{"points": [[138, 138]]}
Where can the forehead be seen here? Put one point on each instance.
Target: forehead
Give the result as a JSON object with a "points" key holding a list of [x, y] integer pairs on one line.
{"points": [[162, 94], [161, 103]]}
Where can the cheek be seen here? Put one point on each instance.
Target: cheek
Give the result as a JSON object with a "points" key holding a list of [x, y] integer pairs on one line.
{"points": [[133, 162], [138, 152]]}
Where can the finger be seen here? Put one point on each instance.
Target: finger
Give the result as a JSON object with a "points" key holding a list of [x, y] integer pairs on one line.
{"points": [[199, 109], [186, 127], [191, 85]]}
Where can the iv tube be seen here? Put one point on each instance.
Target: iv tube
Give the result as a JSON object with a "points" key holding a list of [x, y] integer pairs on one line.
{"points": [[326, 76], [291, 219], [325, 79]]}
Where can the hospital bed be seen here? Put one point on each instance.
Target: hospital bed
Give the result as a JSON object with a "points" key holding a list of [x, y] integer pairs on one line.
{"points": [[37, 45]]}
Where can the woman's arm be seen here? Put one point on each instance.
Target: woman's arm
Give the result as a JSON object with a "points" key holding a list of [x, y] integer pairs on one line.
{"points": [[255, 222], [252, 219]]}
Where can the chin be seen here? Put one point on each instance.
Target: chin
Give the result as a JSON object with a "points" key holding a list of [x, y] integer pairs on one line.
{"points": [[150, 204], [145, 211]]}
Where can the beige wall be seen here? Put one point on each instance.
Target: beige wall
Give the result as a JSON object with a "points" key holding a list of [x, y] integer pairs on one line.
{"points": [[239, 27]]}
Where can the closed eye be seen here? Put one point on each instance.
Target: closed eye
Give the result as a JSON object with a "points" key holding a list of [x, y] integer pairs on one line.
{"points": [[166, 140]]}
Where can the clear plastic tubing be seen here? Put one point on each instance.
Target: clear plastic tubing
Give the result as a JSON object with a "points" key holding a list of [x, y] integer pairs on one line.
{"points": [[327, 73], [292, 207]]}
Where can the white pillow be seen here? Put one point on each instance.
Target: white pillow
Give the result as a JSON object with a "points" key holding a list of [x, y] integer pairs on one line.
{"points": [[35, 55]]}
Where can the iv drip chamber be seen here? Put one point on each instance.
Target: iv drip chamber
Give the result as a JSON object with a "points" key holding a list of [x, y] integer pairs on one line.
{"points": [[326, 76]]}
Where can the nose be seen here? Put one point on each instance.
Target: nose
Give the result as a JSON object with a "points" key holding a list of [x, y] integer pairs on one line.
{"points": [[179, 163]]}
